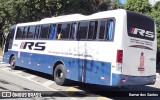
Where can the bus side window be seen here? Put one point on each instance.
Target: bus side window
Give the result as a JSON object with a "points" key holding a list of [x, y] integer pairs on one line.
{"points": [[38, 29], [82, 30], [59, 31], [45, 31], [31, 32], [12, 31], [73, 31], [92, 30], [52, 31], [110, 29], [65, 29], [106, 29], [102, 30], [25, 32], [19, 32]]}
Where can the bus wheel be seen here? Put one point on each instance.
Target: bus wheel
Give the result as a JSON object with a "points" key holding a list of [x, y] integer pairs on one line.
{"points": [[60, 75], [13, 63]]}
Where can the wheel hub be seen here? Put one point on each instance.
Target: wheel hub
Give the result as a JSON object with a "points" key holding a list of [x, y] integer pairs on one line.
{"points": [[61, 75], [13, 62]]}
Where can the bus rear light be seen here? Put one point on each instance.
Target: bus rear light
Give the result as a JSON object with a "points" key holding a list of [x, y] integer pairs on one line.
{"points": [[119, 56]]}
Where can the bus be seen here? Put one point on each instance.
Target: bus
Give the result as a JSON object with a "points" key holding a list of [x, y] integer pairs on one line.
{"points": [[112, 48]]}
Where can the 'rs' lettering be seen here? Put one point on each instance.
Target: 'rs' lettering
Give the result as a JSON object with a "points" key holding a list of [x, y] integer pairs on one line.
{"points": [[39, 46], [29, 44]]}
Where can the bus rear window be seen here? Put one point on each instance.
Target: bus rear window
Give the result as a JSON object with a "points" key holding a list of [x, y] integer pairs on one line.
{"points": [[140, 26]]}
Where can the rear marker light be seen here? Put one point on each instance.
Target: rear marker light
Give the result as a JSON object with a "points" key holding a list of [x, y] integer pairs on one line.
{"points": [[119, 56], [69, 71], [49, 66], [103, 78], [113, 66]]}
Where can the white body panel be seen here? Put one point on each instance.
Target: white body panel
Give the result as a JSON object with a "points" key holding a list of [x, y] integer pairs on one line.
{"points": [[75, 49]]}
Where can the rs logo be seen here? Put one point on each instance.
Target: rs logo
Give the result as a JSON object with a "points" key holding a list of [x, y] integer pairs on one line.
{"points": [[142, 33], [33, 45]]}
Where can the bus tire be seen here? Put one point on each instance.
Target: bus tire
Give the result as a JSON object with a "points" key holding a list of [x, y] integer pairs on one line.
{"points": [[13, 63], [60, 75]]}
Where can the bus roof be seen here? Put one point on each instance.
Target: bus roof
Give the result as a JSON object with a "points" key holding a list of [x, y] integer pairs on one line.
{"points": [[78, 17]]}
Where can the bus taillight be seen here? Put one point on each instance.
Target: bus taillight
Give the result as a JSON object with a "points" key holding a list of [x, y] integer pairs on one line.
{"points": [[119, 56]]}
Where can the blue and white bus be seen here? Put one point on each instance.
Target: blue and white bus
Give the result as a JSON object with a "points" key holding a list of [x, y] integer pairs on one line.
{"points": [[113, 48]]}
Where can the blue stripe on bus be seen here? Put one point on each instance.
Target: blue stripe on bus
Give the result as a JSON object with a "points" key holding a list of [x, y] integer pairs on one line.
{"points": [[96, 72], [116, 79]]}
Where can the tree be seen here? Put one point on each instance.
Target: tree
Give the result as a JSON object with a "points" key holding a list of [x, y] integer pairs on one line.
{"points": [[83, 6], [19, 11], [155, 14], [141, 6], [116, 4]]}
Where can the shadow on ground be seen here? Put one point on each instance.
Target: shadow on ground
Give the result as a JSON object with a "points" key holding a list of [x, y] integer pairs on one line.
{"points": [[116, 93]]}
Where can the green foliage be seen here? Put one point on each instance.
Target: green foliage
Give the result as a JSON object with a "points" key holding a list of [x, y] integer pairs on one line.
{"points": [[156, 15], [116, 4], [18, 11], [141, 6], [92, 6]]}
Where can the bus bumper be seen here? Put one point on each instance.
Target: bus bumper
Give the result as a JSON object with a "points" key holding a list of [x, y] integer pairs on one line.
{"points": [[138, 80]]}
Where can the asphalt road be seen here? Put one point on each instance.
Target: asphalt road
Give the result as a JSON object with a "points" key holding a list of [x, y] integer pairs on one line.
{"points": [[24, 80], [12, 83]]}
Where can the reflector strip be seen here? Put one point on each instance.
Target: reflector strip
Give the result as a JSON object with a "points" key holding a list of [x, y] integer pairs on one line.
{"points": [[104, 78], [68, 70], [49, 66]]}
